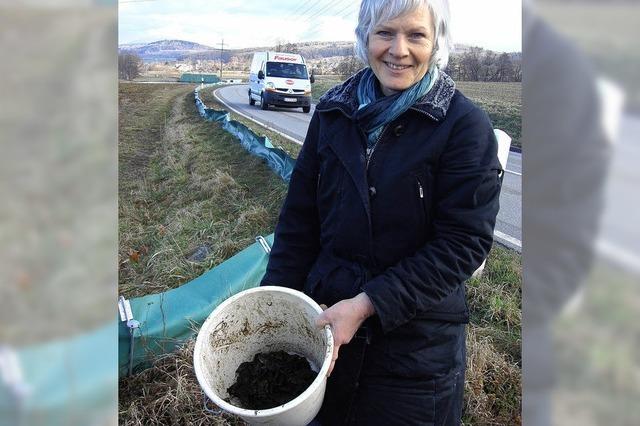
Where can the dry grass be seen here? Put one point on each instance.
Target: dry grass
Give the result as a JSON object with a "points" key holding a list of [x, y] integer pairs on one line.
{"points": [[168, 394], [185, 186], [493, 384]]}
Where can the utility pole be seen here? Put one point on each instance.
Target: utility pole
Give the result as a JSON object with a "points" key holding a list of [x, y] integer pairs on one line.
{"points": [[221, 50]]}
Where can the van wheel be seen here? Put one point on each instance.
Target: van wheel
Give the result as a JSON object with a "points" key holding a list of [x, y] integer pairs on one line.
{"points": [[251, 100], [306, 109], [263, 104]]}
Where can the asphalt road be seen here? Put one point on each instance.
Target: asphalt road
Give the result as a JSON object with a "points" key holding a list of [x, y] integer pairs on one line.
{"points": [[293, 123]]}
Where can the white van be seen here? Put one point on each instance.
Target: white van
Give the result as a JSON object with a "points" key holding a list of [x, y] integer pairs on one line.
{"points": [[280, 79]]}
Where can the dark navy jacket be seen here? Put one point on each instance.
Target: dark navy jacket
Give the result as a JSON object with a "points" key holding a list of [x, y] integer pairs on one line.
{"points": [[407, 225]]}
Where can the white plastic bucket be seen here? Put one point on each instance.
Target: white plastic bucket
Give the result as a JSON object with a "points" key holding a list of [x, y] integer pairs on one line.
{"points": [[263, 319]]}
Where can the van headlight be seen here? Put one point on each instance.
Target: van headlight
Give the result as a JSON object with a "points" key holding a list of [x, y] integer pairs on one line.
{"points": [[271, 86]]}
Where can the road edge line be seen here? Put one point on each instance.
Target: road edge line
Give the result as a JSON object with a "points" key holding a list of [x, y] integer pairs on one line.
{"points": [[509, 239], [284, 135]]}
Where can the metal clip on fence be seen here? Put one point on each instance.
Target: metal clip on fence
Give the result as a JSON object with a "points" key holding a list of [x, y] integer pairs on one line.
{"points": [[125, 315], [11, 378], [263, 242]]}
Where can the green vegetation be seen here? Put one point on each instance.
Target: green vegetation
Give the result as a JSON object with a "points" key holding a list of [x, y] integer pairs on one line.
{"points": [[322, 84], [185, 183], [493, 383], [503, 103]]}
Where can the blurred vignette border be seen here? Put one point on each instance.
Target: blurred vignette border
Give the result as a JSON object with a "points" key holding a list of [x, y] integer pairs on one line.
{"points": [[58, 178], [58, 214], [581, 294]]}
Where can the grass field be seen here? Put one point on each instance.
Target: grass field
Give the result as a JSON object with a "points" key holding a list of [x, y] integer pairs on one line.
{"points": [[503, 103], [186, 184]]}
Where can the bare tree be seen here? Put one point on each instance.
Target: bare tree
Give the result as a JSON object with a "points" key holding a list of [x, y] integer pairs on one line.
{"points": [[348, 66], [282, 46], [470, 64], [504, 68], [517, 70], [129, 65], [453, 67], [488, 67]]}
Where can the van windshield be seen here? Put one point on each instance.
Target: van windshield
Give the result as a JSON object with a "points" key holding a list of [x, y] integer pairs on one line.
{"points": [[287, 70]]}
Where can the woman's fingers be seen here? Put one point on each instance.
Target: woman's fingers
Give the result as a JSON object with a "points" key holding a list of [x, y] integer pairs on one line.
{"points": [[345, 317], [323, 320], [333, 359]]}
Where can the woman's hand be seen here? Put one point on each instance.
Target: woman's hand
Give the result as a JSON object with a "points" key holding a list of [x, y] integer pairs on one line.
{"points": [[345, 317]]}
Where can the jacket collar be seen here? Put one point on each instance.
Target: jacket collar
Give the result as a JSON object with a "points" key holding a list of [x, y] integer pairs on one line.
{"points": [[435, 103]]}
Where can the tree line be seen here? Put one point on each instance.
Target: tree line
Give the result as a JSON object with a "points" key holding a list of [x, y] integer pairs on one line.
{"points": [[129, 65], [475, 64]]}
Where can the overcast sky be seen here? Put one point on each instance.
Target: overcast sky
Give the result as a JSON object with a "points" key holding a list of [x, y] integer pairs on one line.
{"points": [[492, 24]]}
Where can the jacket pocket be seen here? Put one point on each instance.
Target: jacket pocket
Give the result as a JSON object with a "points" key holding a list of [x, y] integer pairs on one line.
{"points": [[425, 348], [422, 208], [423, 199]]}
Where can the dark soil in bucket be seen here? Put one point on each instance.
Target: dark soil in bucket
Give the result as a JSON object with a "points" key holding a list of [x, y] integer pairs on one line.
{"points": [[271, 379]]}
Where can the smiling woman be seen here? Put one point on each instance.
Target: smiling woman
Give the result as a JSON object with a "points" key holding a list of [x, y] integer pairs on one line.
{"points": [[390, 209], [400, 51]]}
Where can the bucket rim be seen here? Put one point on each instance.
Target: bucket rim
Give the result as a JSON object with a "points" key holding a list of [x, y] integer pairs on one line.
{"points": [[243, 412]]}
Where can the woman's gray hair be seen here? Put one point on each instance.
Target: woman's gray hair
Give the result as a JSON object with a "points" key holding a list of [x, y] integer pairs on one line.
{"points": [[374, 12]]}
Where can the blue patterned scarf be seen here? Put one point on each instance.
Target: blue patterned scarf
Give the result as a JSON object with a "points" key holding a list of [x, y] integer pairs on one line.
{"points": [[376, 110]]}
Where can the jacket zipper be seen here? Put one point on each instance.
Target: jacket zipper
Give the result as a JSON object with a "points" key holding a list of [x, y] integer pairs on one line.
{"points": [[375, 145], [422, 207]]}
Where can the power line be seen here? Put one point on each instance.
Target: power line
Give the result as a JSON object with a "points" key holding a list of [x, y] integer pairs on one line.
{"points": [[324, 8], [299, 8], [318, 29], [310, 8], [331, 4]]}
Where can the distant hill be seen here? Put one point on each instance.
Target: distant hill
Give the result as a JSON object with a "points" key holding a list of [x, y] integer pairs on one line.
{"points": [[180, 50], [315, 52], [165, 50]]}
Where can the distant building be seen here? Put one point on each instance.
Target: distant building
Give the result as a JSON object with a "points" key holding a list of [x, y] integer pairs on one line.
{"points": [[199, 78]]}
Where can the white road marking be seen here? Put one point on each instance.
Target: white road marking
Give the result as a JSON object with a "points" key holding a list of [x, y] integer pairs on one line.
{"points": [[516, 242], [284, 135]]}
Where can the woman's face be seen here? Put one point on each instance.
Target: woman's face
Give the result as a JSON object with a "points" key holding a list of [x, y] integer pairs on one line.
{"points": [[400, 50]]}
